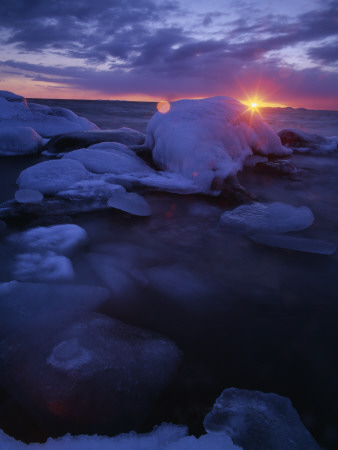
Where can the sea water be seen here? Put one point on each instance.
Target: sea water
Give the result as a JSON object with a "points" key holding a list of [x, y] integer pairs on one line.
{"points": [[244, 315]]}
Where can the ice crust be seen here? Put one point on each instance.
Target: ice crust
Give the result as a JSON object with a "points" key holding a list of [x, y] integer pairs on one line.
{"points": [[267, 218], [16, 112], [130, 202], [256, 421], [49, 177], [163, 437], [208, 140], [19, 140]]}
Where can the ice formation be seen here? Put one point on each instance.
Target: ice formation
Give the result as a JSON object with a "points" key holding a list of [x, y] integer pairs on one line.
{"points": [[268, 218], [42, 267], [114, 161], [28, 196], [295, 243], [208, 140], [95, 189], [49, 177], [73, 141], [61, 239], [163, 437], [303, 142], [256, 421], [19, 140], [130, 202], [16, 112], [93, 375]]}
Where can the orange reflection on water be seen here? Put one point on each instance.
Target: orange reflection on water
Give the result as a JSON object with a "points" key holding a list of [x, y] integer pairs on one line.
{"points": [[163, 107]]}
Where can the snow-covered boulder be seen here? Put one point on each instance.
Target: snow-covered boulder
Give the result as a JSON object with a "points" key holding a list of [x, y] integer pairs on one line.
{"points": [[256, 421], [274, 217], [73, 141], [49, 177], [19, 141], [28, 196], [16, 112], [61, 239], [95, 375], [42, 267], [114, 161], [208, 140], [303, 142]]}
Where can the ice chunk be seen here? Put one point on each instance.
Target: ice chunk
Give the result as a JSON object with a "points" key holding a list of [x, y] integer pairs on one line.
{"points": [[19, 141], [208, 140], [268, 218], [256, 421], [95, 189], [95, 375], [42, 267], [163, 437], [28, 196], [115, 161], [73, 141], [112, 147], [294, 243], [49, 177], [303, 142], [61, 239], [15, 112], [130, 202]]}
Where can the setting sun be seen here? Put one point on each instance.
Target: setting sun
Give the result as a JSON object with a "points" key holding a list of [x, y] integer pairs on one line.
{"points": [[254, 105]]}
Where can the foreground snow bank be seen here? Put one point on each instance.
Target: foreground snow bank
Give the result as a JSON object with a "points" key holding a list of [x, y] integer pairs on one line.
{"points": [[164, 437], [208, 140]]}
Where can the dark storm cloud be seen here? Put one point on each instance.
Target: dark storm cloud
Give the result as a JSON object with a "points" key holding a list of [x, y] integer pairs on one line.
{"points": [[327, 54]]}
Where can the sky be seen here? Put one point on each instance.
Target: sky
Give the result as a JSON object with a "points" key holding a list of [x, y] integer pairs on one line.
{"points": [[275, 52]]}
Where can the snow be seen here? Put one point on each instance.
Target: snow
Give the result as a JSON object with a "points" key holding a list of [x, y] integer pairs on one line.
{"points": [[130, 202], [19, 141], [62, 239], [15, 112], [256, 421], [114, 161], [49, 177], [163, 437], [267, 218], [28, 196], [295, 243], [208, 140], [95, 373], [42, 267]]}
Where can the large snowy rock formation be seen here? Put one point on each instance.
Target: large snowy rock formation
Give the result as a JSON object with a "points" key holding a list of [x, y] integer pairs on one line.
{"points": [[46, 121], [208, 140], [258, 421]]}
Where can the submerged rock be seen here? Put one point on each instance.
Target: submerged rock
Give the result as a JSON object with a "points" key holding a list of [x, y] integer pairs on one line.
{"points": [[73, 141], [268, 218], [258, 421], [95, 375]]}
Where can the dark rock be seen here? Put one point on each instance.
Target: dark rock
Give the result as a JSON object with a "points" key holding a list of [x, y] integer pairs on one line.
{"points": [[299, 140], [67, 142], [279, 167]]}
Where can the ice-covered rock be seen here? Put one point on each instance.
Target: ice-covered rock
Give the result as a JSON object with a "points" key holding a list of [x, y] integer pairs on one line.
{"points": [[113, 147], [96, 374], [267, 218], [73, 141], [42, 267], [294, 243], [49, 177], [258, 421], [252, 160], [16, 112], [96, 189], [279, 167], [19, 141], [114, 161], [28, 196], [34, 305], [61, 239], [303, 142], [130, 202], [163, 437], [208, 140]]}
